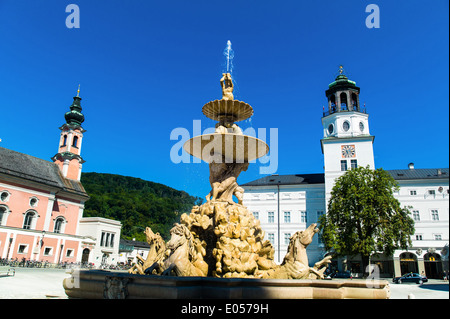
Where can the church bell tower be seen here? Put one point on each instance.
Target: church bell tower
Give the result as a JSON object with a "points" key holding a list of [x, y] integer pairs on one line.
{"points": [[69, 157], [346, 141]]}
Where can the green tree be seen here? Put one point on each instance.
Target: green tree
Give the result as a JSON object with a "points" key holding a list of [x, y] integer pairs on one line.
{"points": [[364, 217], [136, 203]]}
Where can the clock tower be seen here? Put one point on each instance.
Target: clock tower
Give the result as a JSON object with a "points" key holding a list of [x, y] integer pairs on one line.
{"points": [[346, 141]]}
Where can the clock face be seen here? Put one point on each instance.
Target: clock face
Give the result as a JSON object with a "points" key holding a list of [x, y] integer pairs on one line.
{"points": [[348, 151]]}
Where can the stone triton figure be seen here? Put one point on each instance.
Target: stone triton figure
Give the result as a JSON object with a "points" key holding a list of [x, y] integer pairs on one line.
{"points": [[227, 87], [223, 177]]}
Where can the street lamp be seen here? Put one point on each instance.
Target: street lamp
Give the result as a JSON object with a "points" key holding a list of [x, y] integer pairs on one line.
{"points": [[42, 238]]}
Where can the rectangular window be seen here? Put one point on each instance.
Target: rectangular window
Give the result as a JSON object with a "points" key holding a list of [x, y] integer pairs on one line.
{"points": [[416, 215], [437, 237], [287, 237], [271, 217], [271, 237], [353, 163], [48, 251], [303, 217], [431, 192], [69, 253], [111, 244], [23, 249], [343, 165], [102, 240], [413, 193], [287, 217], [107, 239], [256, 215], [319, 214], [434, 214], [319, 238], [418, 237]]}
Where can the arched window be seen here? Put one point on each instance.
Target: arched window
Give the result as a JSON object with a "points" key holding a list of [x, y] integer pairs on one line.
{"points": [[343, 98], [85, 256], [59, 225], [333, 103], [29, 220], [355, 102], [75, 141], [64, 140]]}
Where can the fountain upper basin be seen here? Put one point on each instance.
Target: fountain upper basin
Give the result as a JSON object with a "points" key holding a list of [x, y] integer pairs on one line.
{"points": [[236, 148]]}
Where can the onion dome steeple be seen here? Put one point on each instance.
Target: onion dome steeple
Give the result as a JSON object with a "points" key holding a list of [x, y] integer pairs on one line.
{"points": [[69, 157], [74, 116]]}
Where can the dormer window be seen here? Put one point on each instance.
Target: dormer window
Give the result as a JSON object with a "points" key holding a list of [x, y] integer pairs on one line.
{"points": [[4, 196], [33, 201]]}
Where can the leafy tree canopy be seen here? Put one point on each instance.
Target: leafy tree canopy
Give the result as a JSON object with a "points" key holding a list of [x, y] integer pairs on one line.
{"points": [[136, 203], [364, 217]]}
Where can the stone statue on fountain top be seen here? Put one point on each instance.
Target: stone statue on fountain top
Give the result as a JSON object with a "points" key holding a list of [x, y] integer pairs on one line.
{"points": [[227, 87]]}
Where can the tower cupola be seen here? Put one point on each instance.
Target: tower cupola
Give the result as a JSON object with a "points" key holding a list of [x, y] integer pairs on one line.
{"points": [[342, 95], [344, 117]]}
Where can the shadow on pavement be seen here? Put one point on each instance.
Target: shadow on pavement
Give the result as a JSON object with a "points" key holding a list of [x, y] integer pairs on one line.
{"points": [[436, 287]]}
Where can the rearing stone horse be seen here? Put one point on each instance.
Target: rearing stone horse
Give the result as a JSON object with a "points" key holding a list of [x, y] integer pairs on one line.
{"points": [[184, 255], [295, 264], [156, 253]]}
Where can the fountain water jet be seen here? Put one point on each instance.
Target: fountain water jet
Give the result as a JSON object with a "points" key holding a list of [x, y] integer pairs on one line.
{"points": [[229, 55]]}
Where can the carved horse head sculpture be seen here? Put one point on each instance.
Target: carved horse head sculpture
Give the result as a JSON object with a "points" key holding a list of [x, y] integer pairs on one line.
{"points": [[295, 263], [181, 237], [182, 257], [298, 243], [154, 239]]}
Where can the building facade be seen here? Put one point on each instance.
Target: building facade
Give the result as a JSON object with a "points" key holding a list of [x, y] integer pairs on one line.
{"points": [[285, 204], [129, 249], [106, 234], [42, 202]]}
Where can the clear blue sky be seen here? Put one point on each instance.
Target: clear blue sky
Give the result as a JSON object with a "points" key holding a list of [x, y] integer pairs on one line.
{"points": [[147, 67]]}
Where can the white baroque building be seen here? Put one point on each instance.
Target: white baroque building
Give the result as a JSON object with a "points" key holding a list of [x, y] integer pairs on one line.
{"points": [[285, 204]]}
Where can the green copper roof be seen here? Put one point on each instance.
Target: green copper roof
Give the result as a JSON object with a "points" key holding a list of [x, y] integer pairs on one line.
{"points": [[341, 79], [74, 116]]}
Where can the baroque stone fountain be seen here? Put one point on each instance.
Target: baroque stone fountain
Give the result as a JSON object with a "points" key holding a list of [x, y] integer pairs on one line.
{"points": [[222, 238], [219, 250]]}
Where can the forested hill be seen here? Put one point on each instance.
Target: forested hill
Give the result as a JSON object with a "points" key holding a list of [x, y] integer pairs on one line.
{"points": [[136, 203]]}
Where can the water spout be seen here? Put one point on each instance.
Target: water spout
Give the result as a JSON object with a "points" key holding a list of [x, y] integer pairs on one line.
{"points": [[229, 55]]}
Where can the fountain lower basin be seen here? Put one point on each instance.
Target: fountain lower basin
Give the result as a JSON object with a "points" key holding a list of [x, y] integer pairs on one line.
{"points": [[101, 284]]}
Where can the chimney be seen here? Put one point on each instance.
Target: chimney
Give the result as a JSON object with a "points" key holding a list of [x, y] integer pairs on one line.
{"points": [[411, 165]]}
